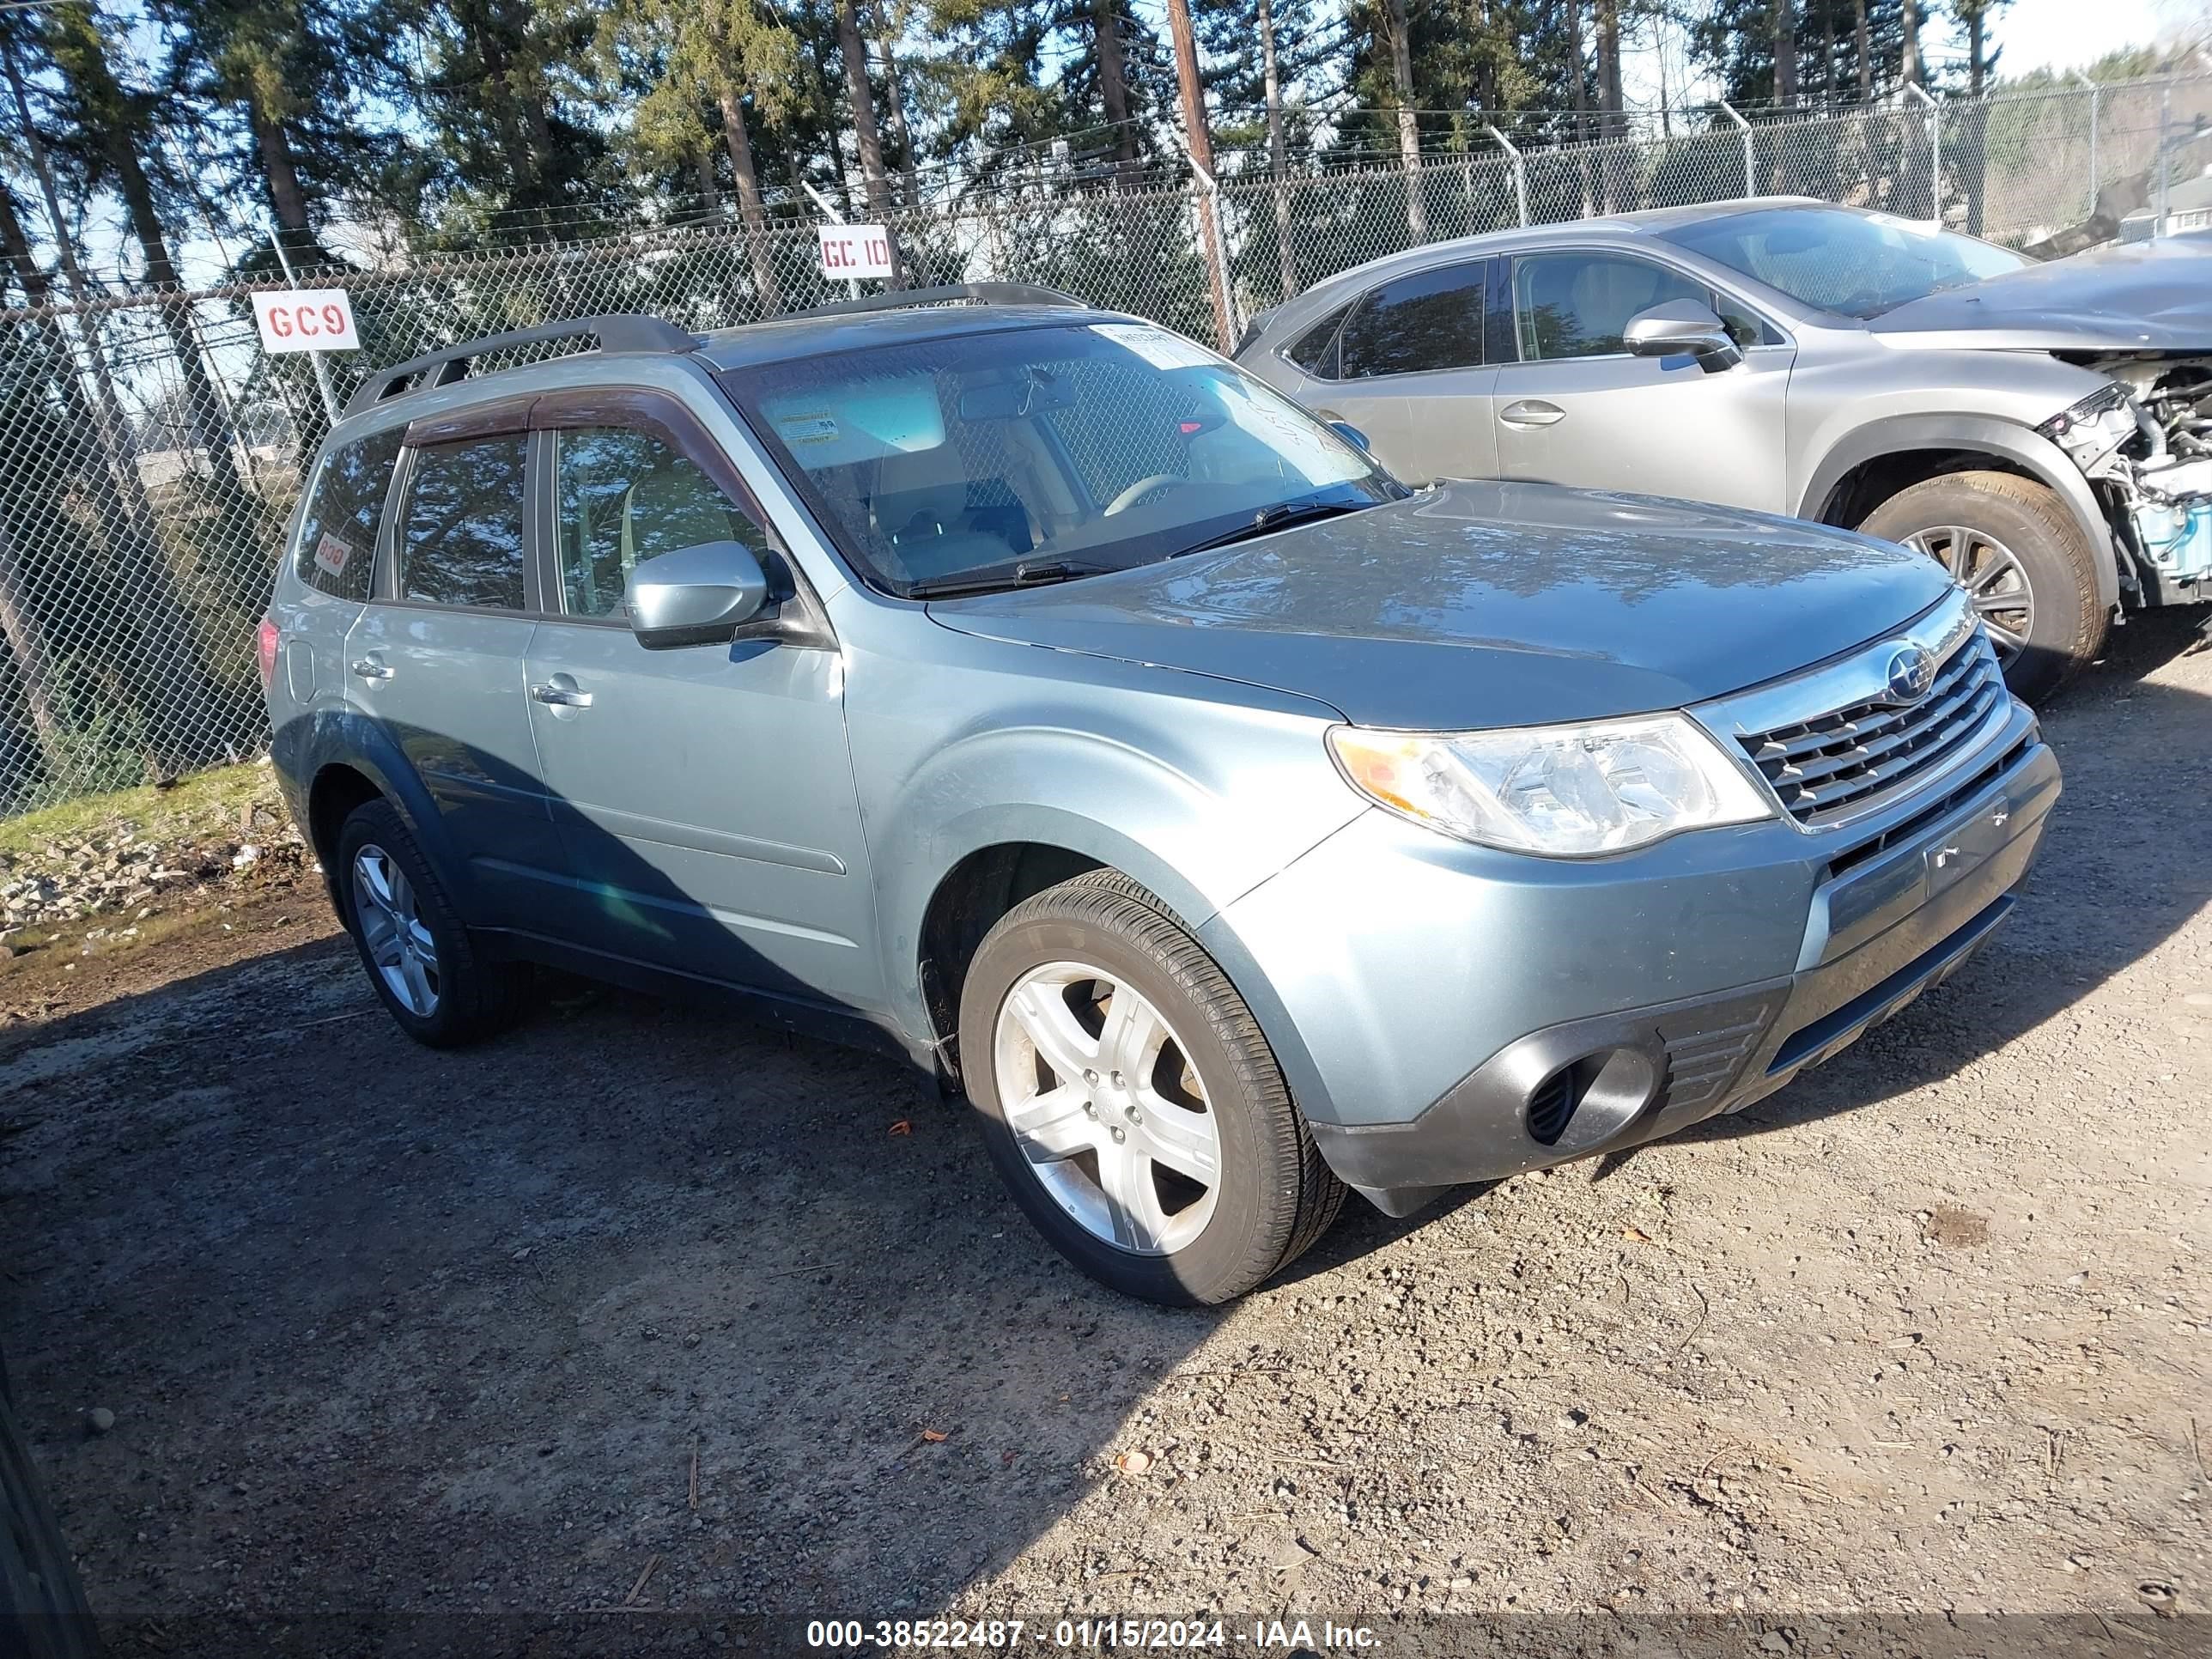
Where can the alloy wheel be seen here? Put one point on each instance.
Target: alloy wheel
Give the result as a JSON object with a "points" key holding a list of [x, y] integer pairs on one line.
{"points": [[1104, 1103], [393, 933], [1994, 578]]}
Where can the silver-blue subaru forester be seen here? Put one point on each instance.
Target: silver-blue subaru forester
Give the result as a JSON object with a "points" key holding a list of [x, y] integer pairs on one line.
{"points": [[1028, 688]]}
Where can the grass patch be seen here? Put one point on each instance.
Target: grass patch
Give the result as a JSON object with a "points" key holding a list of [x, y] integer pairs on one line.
{"points": [[206, 804]]}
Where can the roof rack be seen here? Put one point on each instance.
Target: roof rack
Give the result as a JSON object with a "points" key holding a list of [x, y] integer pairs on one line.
{"points": [[989, 294], [618, 332]]}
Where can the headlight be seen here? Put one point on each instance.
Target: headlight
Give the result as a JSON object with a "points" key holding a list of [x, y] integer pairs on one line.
{"points": [[1557, 791]]}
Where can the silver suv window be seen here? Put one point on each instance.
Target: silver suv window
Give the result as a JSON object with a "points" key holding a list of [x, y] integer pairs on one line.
{"points": [[1853, 264], [1578, 304], [461, 540], [1431, 320]]}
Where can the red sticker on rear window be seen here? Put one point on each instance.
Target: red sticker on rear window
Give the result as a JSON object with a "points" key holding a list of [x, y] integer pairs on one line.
{"points": [[331, 553]]}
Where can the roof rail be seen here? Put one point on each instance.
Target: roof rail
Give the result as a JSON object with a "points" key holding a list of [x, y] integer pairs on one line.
{"points": [[618, 332], [989, 294]]}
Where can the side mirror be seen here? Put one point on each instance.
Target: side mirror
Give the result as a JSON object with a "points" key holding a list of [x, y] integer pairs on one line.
{"points": [[1351, 434], [1677, 327], [695, 595]]}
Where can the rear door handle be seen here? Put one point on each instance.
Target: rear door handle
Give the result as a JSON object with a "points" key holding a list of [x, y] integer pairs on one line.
{"points": [[371, 668], [561, 691], [1531, 411]]}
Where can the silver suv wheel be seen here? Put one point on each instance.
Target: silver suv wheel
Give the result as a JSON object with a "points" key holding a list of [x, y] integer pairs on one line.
{"points": [[1992, 575], [1105, 1104], [398, 942]]}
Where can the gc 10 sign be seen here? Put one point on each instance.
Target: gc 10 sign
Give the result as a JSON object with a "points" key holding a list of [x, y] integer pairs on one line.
{"points": [[855, 253], [307, 319]]}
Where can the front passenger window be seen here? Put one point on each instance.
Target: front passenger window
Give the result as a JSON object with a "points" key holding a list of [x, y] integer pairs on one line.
{"points": [[1578, 304], [462, 542], [626, 496]]}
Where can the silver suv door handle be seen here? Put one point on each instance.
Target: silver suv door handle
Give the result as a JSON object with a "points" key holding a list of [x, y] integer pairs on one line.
{"points": [[369, 668], [561, 696], [1531, 411]]}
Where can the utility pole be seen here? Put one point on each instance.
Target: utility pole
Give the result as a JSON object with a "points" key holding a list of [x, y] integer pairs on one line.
{"points": [[1199, 137]]}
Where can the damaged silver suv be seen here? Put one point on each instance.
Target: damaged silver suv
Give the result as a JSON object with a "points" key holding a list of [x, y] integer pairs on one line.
{"points": [[2043, 430]]}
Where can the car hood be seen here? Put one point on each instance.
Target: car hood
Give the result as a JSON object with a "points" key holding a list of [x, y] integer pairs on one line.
{"points": [[2138, 297], [1474, 605]]}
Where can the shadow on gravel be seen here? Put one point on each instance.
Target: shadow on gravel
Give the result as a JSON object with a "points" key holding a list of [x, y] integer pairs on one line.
{"points": [[636, 1287], [642, 1306]]}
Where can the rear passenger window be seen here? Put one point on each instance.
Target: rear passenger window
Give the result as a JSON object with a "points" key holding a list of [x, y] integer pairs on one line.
{"points": [[337, 533], [461, 542], [1431, 320], [1315, 350]]}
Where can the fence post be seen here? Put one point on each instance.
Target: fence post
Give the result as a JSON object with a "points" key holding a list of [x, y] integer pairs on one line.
{"points": [[1520, 170], [1750, 162], [322, 369], [1217, 254], [1934, 151], [852, 283], [2096, 95]]}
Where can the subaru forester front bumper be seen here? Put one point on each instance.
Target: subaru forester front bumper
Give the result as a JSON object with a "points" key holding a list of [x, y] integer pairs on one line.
{"points": [[1446, 1013]]}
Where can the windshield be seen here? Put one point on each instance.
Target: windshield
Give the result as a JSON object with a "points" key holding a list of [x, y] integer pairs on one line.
{"points": [[1856, 264], [1029, 452]]}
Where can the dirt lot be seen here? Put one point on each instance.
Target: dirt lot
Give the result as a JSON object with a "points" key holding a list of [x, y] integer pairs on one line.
{"points": [[640, 1309]]}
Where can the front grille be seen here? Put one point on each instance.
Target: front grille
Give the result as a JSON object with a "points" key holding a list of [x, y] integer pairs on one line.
{"points": [[1823, 767]]}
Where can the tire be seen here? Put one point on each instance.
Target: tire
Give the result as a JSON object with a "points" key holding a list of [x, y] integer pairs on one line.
{"points": [[468, 998], [2017, 533], [1207, 1073]]}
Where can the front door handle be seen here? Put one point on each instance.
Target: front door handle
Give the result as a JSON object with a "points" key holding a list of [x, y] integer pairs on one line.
{"points": [[371, 668], [1531, 411], [561, 691]]}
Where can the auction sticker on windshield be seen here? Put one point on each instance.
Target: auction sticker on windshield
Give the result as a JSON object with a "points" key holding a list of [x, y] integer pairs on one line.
{"points": [[1157, 346]]}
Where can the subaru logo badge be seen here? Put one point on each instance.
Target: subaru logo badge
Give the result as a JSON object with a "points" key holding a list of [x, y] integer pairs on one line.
{"points": [[1911, 671]]}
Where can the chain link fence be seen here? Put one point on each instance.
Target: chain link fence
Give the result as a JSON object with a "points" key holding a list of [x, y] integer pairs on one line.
{"points": [[150, 454]]}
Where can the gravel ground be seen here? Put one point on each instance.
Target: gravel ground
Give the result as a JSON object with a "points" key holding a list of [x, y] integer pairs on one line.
{"points": [[640, 1309]]}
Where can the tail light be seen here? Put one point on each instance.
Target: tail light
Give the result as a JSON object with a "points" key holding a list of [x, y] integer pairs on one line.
{"points": [[265, 651]]}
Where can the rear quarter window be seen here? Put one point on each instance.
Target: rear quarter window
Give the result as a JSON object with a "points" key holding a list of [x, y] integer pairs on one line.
{"points": [[1315, 350], [337, 531]]}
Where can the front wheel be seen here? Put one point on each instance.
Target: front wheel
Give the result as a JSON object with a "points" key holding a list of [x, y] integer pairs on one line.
{"points": [[2017, 550], [1130, 1102]]}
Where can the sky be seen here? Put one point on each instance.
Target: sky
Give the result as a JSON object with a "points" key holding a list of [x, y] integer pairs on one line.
{"points": [[2031, 34], [2062, 34]]}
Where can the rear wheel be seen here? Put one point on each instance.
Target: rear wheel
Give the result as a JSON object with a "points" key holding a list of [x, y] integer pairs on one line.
{"points": [[2016, 548], [419, 957], [1130, 1102]]}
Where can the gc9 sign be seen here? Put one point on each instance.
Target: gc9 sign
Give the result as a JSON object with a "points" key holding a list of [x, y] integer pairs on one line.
{"points": [[306, 319]]}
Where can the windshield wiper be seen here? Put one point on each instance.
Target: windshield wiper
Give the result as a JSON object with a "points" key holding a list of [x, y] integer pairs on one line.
{"points": [[1280, 516], [1030, 572]]}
